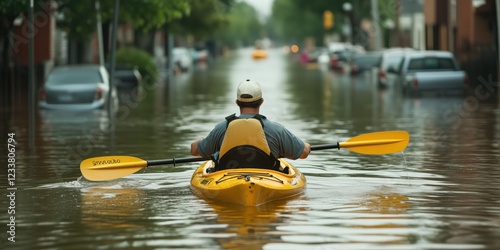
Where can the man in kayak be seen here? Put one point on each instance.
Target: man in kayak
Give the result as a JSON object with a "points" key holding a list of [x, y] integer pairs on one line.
{"points": [[250, 139]]}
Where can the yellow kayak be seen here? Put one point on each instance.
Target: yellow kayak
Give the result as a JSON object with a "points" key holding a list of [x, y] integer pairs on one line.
{"points": [[247, 186], [259, 54]]}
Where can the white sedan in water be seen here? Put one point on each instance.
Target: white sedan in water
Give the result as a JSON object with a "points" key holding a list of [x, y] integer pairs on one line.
{"points": [[182, 58], [76, 87]]}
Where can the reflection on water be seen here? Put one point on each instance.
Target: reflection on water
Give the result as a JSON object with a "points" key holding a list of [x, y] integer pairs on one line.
{"points": [[442, 194], [386, 203], [377, 218], [248, 227], [110, 207]]}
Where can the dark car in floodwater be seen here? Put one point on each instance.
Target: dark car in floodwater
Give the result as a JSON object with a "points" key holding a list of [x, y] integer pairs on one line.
{"points": [[126, 76], [364, 62]]}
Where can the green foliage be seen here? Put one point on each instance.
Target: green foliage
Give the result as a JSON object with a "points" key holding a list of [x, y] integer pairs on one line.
{"points": [[205, 17], [243, 27], [295, 20], [13, 7], [152, 14], [80, 19], [139, 58]]}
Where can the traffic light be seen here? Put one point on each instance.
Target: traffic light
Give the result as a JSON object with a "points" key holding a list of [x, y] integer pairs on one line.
{"points": [[328, 20]]}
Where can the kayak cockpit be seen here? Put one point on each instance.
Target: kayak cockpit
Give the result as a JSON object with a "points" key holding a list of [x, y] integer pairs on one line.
{"points": [[247, 186]]}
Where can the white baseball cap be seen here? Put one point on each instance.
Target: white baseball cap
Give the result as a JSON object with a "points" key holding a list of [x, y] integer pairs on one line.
{"points": [[249, 91]]}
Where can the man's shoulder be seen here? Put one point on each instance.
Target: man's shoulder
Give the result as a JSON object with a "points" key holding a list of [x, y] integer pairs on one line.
{"points": [[273, 124]]}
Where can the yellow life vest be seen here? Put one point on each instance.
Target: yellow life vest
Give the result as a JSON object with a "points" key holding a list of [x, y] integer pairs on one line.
{"points": [[245, 145]]}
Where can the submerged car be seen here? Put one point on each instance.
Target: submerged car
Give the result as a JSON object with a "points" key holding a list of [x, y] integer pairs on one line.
{"points": [[343, 55], [384, 72], [182, 58], [76, 87], [432, 71], [126, 76], [364, 62]]}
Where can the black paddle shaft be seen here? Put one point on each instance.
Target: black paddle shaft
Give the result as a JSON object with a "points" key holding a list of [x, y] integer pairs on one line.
{"points": [[176, 160], [326, 146], [195, 159]]}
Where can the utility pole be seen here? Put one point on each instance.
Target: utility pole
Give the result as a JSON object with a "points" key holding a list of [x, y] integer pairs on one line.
{"points": [[113, 50], [376, 25], [498, 47], [452, 10], [99, 32], [397, 7], [31, 78]]}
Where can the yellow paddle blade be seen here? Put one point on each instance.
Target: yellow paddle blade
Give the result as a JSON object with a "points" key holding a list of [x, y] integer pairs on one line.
{"points": [[385, 142], [110, 167]]}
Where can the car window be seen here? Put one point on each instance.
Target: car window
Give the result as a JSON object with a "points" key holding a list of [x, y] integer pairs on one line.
{"points": [[431, 63], [446, 63], [392, 60], [367, 60], [74, 76]]}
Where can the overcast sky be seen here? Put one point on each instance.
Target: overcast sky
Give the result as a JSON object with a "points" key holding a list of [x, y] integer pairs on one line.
{"points": [[262, 6]]}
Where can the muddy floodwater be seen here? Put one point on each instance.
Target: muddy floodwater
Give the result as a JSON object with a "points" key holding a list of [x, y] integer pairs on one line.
{"points": [[442, 192]]}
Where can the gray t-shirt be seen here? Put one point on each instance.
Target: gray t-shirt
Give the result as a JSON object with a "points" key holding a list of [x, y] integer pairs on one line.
{"points": [[283, 143]]}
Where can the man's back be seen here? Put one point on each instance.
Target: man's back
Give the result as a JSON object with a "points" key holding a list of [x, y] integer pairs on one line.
{"points": [[281, 142]]}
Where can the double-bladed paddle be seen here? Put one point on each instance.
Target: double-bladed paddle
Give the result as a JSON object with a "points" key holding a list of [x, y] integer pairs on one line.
{"points": [[113, 167]]}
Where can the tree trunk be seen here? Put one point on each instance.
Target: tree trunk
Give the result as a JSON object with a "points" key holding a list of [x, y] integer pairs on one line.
{"points": [[166, 31]]}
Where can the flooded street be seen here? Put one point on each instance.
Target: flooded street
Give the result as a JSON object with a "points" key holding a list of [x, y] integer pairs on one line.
{"points": [[442, 192]]}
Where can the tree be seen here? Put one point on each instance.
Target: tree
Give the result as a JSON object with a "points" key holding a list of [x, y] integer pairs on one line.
{"points": [[146, 16], [10, 10], [152, 14], [298, 19], [243, 28], [205, 18], [293, 22]]}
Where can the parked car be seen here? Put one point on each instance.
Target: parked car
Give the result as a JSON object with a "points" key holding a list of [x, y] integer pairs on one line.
{"points": [[318, 55], [182, 58], [431, 71], [341, 58], [198, 55], [126, 76], [383, 72], [76, 87], [364, 62], [342, 54]]}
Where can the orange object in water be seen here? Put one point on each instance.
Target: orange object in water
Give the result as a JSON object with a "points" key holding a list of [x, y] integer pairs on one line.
{"points": [[259, 54]]}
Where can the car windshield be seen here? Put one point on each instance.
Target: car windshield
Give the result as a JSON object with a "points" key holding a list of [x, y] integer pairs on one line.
{"points": [[76, 75]]}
